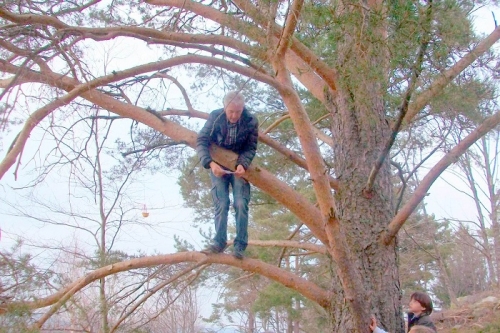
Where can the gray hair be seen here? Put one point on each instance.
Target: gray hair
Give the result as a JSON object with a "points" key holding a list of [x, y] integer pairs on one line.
{"points": [[234, 97]]}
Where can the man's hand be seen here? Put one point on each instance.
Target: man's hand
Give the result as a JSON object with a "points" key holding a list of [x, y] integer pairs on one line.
{"points": [[240, 171], [373, 323], [217, 169]]}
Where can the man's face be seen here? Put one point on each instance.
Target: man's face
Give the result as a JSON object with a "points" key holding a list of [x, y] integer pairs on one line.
{"points": [[233, 112], [416, 307]]}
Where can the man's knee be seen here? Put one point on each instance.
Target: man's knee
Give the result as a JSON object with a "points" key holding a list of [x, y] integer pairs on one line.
{"points": [[222, 205], [240, 204]]}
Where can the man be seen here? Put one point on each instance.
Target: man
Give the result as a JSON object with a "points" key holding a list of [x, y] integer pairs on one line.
{"points": [[233, 128]]}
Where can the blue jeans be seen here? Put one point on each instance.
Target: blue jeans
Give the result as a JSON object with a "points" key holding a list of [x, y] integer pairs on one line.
{"points": [[220, 197]]}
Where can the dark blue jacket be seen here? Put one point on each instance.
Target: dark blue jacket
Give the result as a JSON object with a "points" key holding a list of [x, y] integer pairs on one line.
{"points": [[215, 131], [423, 320]]}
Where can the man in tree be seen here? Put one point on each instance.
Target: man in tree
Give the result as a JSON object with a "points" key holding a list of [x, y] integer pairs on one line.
{"points": [[233, 128]]}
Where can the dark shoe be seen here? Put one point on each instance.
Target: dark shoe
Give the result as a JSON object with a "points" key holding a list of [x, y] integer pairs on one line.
{"points": [[212, 249], [238, 254]]}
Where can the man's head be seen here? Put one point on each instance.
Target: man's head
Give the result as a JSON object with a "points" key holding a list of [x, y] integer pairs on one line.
{"points": [[421, 329], [234, 102], [420, 302]]}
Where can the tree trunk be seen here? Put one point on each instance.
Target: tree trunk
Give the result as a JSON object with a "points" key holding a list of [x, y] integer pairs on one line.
{"points": [[469, 173], [493, 196], [296, 322], [251, 322], [445, 276], [364, 218], [296, 302], [289, 323], [103, 306], [360, 132], [277, 319]]}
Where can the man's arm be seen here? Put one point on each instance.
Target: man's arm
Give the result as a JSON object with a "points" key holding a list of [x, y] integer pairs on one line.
{"points": [[204, 140], [373, 326], [246, 156]]}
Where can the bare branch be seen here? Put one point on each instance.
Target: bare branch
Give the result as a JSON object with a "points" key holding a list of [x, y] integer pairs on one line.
{"points": [[327, 74], [276, 123], [255, 174], [290, 24], [307, 57], [288, 279], [154, 290], [181, 88], [421, 191], [292, 234], [10, 82], [38, 116], [288, 243], [288, 153]]}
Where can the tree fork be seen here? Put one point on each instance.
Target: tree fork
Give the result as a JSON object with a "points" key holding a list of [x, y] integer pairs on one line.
{"points": [[338, 247]]}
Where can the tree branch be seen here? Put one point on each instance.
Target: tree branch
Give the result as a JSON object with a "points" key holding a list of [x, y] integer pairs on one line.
{"points": [[302, 62], [288, 153], [290, 25], [145, 34], [438, 84], [348, 273], [148, 148], [181, 88], [276, 123], [288, 243], [288, 279], [297, 66], [421, 191], [258, 176], [321, 68], [38, 116], [153, 291]]}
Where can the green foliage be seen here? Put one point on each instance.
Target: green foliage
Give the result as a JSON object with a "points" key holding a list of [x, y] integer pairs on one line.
{"points": [[277, 296], [110, 257], [17, 319], [195, 188], [465, 98], [421, 244], [20, 280], [20, 276]]}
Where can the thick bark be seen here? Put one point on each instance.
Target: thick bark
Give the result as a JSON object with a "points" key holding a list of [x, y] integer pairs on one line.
{"points": [[348, 271], [360, 132], [365, 218]]}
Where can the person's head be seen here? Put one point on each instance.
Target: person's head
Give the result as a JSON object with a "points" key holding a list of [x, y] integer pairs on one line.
{"points": [[234, 102], [420, 302], [421, 329]]}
